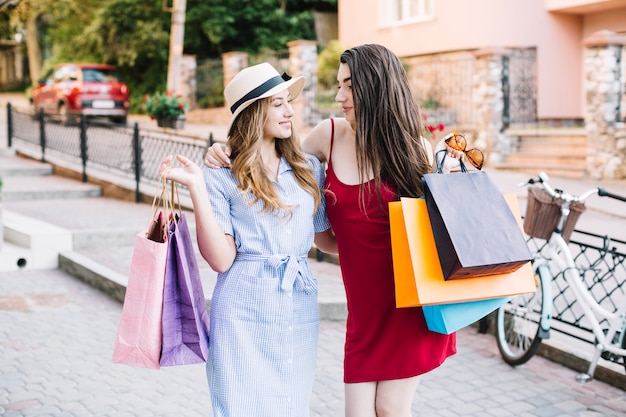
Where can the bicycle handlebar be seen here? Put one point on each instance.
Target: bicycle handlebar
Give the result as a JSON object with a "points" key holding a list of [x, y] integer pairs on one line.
{"points": [[604, 193], [542, 179]]}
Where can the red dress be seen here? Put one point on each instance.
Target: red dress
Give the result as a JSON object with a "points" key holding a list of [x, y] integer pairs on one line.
{"points": [[382, 342]]}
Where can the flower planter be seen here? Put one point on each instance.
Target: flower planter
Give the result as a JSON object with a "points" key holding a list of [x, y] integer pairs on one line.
{"points": [[172, 123]]}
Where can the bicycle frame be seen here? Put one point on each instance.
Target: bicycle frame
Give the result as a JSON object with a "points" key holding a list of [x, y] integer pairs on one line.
{"points": [[558, 251]]}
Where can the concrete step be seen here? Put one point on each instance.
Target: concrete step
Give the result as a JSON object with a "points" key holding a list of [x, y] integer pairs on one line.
{"points": [[550, 148], [557, 171], [554, 161], [17, 188], [559, 152], [11, 166], [31, 243]]}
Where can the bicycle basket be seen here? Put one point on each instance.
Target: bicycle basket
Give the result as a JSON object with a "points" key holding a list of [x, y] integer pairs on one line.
{"points": [[543, 213]]}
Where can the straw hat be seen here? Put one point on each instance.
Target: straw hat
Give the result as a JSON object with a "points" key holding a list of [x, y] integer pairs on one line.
{"points": [[257, 82]]}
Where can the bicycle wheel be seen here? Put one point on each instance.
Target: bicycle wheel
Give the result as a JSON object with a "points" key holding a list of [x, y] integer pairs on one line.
{"points": [[518, 322]]}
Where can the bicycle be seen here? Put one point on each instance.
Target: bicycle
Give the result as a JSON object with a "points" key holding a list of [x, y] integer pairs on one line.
{"points": [[526, 320]]}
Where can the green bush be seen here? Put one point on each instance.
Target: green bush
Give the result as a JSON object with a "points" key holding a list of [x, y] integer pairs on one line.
{"points": [[328, 63]]}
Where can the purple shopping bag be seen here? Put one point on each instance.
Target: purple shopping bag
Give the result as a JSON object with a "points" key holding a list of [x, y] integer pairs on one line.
{"points": [[185, 320]]}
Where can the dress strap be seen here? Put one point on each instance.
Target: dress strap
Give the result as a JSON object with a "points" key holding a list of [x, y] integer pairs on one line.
{"points": [[332, 139]]}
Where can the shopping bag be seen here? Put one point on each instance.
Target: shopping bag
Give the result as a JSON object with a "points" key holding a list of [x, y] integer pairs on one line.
{"points": [[418, 277], [138, 340], [185, 320], [139, 337], [449, 318], [475, 231]]}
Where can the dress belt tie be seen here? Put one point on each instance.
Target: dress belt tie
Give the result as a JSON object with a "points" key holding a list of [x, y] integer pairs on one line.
{"points": [[295, 272]]}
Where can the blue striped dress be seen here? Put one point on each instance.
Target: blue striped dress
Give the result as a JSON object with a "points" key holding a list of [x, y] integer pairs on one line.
{"points": [[264, 317]]}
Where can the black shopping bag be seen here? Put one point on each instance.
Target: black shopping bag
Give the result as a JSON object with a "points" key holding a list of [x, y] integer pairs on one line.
{"points": [[475, 232]]}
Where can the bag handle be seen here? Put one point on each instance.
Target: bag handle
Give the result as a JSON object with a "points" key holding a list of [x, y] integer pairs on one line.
{"points": [[167, 203], [443, 158]]}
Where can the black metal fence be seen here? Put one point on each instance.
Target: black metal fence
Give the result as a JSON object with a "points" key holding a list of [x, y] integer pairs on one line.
{"points": [[602, 264], [519, 88], [125, 152]]}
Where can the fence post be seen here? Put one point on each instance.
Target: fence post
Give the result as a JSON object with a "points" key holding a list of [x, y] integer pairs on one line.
{"points": [[83, 145], [137, 153], [42, 135], [9, 124]]}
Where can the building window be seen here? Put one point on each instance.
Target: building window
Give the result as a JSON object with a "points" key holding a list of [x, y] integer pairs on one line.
{"points": [[399, 12]]}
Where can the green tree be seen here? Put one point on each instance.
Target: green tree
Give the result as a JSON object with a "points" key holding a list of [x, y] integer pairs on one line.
{"points": [[245, 25], [134, 34]]}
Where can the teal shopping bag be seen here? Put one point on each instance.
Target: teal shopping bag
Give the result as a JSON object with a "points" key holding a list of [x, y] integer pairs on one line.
{"points": [[448, 318]]}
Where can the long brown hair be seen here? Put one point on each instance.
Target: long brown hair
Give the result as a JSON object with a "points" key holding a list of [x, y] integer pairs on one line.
{"points": [[244, 139], [388, 122]]}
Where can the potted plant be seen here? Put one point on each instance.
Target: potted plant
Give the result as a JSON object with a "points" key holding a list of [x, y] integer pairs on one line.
{"points": [[168, 109]]}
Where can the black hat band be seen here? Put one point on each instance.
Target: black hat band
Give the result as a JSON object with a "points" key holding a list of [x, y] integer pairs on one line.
{"points": [[260, 90]]}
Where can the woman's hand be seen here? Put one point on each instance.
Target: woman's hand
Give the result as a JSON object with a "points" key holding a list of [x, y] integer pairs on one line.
{"points": [[449, 156], [217, 156], [450, 152], [189, 174]]}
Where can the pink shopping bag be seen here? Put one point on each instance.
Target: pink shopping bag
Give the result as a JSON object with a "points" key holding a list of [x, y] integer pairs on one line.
{"points": [[138, 341]]}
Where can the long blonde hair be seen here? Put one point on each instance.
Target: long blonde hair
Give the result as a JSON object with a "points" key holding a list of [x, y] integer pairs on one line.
{"points": [[244, 139]]}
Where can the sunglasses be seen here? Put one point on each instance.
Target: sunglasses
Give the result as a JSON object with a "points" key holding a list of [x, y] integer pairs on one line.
{"points": [[474, 155]]}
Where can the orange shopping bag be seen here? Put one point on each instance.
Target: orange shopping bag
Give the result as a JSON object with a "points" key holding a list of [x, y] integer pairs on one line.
{"points": [[418, 276]]}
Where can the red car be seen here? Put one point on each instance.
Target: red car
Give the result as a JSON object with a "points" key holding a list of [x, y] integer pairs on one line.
{"points": [[70, 90]]}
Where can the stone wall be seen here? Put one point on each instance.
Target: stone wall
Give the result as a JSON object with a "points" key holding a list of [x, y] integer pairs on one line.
{"points": [[605, 83]]}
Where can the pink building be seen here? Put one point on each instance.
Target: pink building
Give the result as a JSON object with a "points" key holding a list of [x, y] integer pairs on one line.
{"points": [[519, 76]]}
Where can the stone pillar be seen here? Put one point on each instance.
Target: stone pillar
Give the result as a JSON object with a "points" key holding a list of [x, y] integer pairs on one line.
{"points": [[303, 61], [188, 87], [488, 103], [232, 63], [604, 84]]}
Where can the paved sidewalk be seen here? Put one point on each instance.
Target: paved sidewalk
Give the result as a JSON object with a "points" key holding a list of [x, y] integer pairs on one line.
{"points": [[56, 343]]}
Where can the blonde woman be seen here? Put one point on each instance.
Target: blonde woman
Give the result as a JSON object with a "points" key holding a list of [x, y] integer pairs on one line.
{"points": [[255, 224]]}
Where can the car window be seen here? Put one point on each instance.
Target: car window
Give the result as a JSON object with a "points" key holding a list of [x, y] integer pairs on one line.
{"points": [[100, 75]]}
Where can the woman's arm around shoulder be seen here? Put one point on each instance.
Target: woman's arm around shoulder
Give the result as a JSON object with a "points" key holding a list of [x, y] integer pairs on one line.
{"points": [[317, 141]]}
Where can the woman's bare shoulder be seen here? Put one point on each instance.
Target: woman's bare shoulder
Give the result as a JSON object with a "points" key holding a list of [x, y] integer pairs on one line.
{"points": [[317, 141]]}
